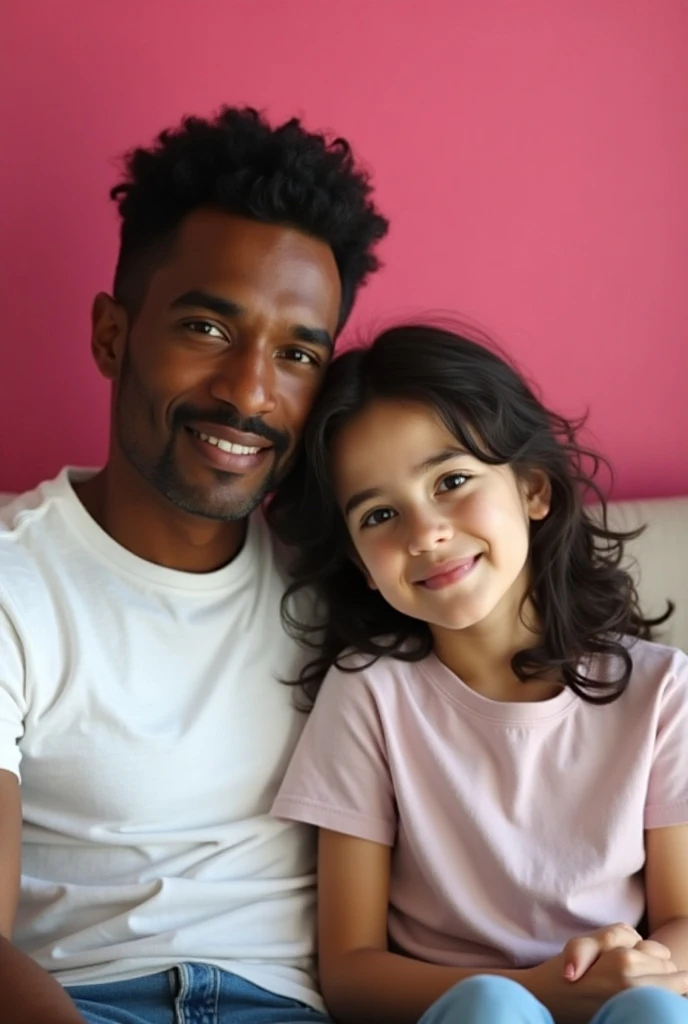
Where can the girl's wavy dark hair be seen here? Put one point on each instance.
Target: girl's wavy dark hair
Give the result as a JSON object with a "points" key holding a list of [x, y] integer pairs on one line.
{"points": [[584, 598]]}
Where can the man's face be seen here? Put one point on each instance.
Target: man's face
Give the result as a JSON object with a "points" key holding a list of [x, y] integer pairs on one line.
{"points": [[217, 373]]}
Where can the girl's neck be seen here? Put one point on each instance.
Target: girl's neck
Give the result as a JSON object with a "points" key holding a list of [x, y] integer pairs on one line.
{"points": [[481, 655]]}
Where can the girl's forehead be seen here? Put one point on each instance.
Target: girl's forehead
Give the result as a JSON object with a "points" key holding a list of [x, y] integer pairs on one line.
{"points": [[389, 440], [383, 422]]}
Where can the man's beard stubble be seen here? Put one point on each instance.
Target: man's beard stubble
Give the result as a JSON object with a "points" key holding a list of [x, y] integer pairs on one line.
{"points": [[162, 473]]}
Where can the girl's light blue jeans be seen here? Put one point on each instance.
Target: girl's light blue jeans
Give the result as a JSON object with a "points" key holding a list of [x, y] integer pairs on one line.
{"points": [[489, 999]]}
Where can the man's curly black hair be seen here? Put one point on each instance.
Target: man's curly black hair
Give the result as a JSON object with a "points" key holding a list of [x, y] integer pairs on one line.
{"points": [[237, 162]]}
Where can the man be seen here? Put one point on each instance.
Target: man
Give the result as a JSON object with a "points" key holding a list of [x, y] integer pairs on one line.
{"points": [[140, 635]]}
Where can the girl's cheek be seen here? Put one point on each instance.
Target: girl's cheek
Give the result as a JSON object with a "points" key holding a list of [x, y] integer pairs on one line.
{"points": [[474, 514], [485, 511], [375, 558]]}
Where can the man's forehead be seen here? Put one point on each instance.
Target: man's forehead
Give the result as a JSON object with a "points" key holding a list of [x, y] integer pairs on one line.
{"points": [[232, 257], [216, 233]]}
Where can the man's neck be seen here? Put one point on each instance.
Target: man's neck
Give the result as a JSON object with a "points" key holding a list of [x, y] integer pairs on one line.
{"points": [[151, 527]]}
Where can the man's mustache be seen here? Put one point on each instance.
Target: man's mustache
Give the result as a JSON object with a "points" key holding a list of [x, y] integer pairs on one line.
{"points": [[187, 415]]}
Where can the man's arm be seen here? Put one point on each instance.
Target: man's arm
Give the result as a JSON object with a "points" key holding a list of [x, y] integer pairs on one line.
{"points": [[28, 994]]}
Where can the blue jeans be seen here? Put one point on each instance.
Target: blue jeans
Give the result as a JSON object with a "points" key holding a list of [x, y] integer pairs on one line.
{"points": [[189, 994], [489, 999]]}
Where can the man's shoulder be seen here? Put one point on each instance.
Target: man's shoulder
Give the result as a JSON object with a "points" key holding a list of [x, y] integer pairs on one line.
{"points": [[29, 546], [15, 508], [18, 512]]}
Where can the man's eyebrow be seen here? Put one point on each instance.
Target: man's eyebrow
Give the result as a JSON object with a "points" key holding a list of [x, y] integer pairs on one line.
{"points": [[204, 300], [430, 463], [313, 336], [199, 299]]}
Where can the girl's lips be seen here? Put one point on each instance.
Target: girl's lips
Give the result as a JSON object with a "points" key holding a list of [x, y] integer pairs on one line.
{"points": [[449, 572]]}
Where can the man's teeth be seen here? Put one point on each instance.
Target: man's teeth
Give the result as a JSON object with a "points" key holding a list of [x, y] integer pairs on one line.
{"points": [[227, 446]]}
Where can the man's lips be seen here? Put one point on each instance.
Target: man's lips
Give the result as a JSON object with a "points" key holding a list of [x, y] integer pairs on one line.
{"points": [[228, 450], [446, 573], [229, 436]]}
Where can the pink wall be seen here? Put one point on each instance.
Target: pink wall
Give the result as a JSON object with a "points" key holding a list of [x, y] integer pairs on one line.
{"points": [[533, 157]]}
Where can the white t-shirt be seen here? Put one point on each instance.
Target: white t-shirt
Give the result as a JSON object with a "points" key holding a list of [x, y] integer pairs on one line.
{"points": [[141, 708]]}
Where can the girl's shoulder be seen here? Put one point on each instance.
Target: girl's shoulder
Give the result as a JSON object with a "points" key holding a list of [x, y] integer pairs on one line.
{"points": [[653, 660], [659, 672], [352, 659], [356, 670]]}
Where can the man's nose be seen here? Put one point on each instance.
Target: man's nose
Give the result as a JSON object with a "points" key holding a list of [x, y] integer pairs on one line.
{"points": [[246, 380]]}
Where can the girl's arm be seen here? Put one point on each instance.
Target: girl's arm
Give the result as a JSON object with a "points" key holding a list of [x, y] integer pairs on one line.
{"points": [[666, 884], [362, 980]]}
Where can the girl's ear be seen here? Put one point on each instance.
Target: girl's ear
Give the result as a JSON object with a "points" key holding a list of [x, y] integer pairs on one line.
{"points": [[537, 491]]}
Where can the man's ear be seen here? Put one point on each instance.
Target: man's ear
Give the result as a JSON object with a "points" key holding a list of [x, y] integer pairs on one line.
{"points": [[109, 329], [537, 490]]}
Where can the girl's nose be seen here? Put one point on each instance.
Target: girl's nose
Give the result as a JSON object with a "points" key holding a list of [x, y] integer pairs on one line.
{"points": [[428, 530]]}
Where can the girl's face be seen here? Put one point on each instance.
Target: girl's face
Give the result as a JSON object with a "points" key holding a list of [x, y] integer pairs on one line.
{"points": [[442, 536]]}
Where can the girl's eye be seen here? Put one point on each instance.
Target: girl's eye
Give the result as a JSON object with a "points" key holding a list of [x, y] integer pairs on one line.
{"points": [[206, 328], [377, 517], [451, 482]]}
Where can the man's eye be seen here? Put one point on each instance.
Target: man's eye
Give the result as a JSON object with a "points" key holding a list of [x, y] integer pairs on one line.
{"points": [[301, 355], [206, 328], [452, 481], [378, 516]]}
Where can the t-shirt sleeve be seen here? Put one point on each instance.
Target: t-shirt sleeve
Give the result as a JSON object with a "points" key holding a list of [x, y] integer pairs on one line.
{"points": [[667, 797], [12, 694], [339, 776]]}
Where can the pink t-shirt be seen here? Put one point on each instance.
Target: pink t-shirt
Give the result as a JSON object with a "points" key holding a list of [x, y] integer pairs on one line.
{"points": [[515, 826]]}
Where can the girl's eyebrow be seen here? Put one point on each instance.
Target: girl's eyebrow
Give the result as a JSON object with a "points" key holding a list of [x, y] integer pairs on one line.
{"points": [[430, 463]]}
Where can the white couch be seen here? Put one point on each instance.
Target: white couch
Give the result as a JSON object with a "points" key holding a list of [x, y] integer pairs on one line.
{"points": [[659, 557]]}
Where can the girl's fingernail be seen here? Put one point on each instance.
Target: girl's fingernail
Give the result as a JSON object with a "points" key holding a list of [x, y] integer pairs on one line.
{"points": [[569, 971]]}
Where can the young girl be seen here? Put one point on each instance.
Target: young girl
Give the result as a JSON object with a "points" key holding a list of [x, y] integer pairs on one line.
{"points": [[498, 758]]}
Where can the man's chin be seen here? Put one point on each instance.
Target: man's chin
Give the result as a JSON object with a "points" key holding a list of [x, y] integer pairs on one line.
{"points": [[226, 504]]}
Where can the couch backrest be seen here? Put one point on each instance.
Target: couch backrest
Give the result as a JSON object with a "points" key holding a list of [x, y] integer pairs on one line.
{"points": [[659, 558]]}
